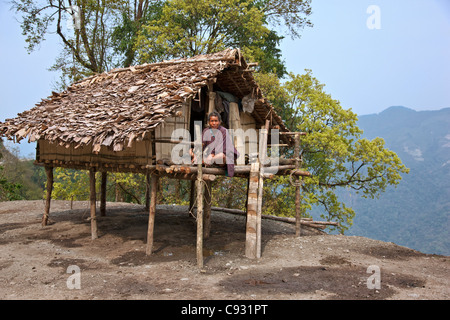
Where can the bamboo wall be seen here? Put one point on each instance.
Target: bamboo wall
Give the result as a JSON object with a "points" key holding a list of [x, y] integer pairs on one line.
{"points": [[140, 153], [164, 131]]}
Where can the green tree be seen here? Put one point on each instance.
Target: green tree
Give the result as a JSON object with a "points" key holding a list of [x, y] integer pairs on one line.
{"points": [[332, 150], [100, 38], [71, 184], [133, 17], [8, 190], [189, 28]]}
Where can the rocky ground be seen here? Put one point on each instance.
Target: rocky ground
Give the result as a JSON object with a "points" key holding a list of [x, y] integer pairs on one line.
{"points": [[60, 261]]}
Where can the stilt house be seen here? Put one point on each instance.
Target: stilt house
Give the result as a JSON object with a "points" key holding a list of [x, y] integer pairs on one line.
{"points": [[123, 120]]}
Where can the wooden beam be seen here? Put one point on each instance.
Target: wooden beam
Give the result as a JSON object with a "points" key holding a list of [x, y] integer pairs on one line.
{"points": [[93, 200], [48, 199], [170, 141], [151, 214], [304, 221], [282, 169], [294, 133]]}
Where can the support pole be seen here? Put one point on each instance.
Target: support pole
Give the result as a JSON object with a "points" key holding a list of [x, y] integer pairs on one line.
{"points": [[207, 209], [151, 214], [93, 200], [251, 237], [262, 158], [238, 139], [147, 191], [298, 180], [212, 97], [48, 199], [199, 155], [191, 197], [103, 194]]}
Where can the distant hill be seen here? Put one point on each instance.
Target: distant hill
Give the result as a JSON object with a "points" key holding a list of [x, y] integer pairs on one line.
{"points": [[416, 214]]}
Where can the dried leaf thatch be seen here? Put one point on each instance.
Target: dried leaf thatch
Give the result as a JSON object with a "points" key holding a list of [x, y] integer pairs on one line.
{"points": [[113, 109]]}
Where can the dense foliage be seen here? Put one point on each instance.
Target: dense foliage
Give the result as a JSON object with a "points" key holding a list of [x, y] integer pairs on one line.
{"points": [[18, 179]]}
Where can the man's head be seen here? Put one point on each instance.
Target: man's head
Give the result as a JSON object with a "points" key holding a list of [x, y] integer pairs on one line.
{"points": [[214, 119]]}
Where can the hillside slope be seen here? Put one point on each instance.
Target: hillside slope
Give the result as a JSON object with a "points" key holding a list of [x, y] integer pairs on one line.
{"points": [[416, 214]]}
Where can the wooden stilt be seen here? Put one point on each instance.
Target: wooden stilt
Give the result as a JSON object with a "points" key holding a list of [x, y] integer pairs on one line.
{"points": [[103, 194], [48, 199], [151, 214], [199, 154], [262, 158], [192, 197], [147, 191], [207, 210], [251, 237], [297, 187], [254, 199], [199, 223], [93, 200]]}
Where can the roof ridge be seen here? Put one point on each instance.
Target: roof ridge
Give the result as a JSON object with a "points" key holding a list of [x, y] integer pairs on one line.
{"points": [[228, 54]]}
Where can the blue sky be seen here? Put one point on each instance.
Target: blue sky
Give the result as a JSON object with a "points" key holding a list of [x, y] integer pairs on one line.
{"points": [[406, 62]]}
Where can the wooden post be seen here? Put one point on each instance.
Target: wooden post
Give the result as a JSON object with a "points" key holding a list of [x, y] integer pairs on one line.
{"points": [[151, 214], [251, 237], [103, 194], [262, 158], [212, 97], [297, 187], [147, 191], [207, 209], [48, 199], [93, 205], [191, 197], [199, 155], [235, 124], [254, 199]]}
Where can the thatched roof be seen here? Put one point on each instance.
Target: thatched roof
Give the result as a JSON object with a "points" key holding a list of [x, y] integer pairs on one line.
{"points": [[115, 108]]}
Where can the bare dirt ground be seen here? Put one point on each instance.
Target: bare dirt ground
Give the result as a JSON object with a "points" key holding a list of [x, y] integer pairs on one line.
{"points": [[34, 260]]}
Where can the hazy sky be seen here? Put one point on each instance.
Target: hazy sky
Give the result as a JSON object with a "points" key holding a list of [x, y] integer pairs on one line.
{"points": [[406, 62]]}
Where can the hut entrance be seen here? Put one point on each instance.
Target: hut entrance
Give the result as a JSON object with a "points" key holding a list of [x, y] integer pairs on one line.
{"points": [[199, 108]]}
